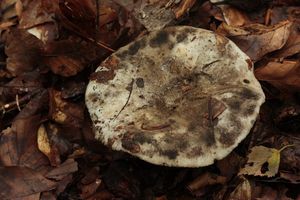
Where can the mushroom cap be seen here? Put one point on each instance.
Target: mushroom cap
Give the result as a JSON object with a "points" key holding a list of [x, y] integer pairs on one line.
{"points": [[181, 96]]}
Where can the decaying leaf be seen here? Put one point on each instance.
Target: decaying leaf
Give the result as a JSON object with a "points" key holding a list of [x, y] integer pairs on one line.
{"points": [[257, 40], [18, 146], [285, 75], [242, 191], [154, 15], [66, 168], [18, 182], [184, 7], [205, 180], [262, 161], [23, 51], [64, 112], [161, 100], [233, 16], [45, 146]]}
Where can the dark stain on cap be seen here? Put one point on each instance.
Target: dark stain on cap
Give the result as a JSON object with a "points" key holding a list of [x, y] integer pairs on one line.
{"points": [[159, 39]]}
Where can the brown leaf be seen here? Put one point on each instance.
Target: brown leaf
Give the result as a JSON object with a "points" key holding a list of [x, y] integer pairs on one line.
{"points": [[257, 40], [184, 6], [37, 12], [292, 45], [16, 182], [46, 147], [154, 15], [64, 112], [102, 195], [60, 172], [284, 75], [90, 189], [204, 180], [70, 56], [23, 136], [233, 16], [229, 165], [242, 191], [22, 50]]}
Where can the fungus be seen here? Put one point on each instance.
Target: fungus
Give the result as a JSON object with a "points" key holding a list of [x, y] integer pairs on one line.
{"points": [[181, 97]]}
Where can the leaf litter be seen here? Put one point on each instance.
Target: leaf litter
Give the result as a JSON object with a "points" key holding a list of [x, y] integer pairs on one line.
{"points": [[49, 49]]}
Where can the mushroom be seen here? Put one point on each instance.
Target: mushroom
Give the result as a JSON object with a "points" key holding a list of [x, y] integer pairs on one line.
{"points": [[181, 97]]}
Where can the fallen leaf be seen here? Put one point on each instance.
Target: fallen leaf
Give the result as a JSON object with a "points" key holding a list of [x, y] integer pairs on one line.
{"points": [[64, 112], [292, 45], [17, 182], [292, 177], [46, 147], [204, 180], [19, 144], [283, 75], [257, 40], [233, 16], [90, 189], [184, 6], [69, 56], [262, 157], [121, 181], [153, 15], [22, 50], [68, 167], [229, 165], [242, 191], [37, 12]]}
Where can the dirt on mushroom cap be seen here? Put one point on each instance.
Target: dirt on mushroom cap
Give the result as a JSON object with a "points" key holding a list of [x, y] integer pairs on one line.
{"points": [[181, 96]]}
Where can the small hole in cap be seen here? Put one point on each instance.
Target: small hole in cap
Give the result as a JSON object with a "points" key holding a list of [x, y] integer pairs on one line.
{"points": [[246, 81]]}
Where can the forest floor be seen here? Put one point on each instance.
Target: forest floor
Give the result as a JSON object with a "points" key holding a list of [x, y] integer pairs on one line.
{"points": [[49, 49]]}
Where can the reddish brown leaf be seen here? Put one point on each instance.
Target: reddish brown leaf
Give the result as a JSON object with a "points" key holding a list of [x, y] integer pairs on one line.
{"points": [[64, 112], [184, 7], [204, 180], [36, 12], [46, 147], [90, 189], [257, 40], [22, 50], [22, 137], [16, 182], [70, 56], [284, 75], [233, 16], [66, 168]]}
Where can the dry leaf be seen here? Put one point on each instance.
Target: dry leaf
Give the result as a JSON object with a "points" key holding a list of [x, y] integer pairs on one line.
{"points": [[17, 182], [261, 157], [257, 40], [66, 168], [284, 75], [22, 50], [233, 16], [185, 6], [204, 180], [64, 112], [242, 191], [45, 146], [18, 145]]}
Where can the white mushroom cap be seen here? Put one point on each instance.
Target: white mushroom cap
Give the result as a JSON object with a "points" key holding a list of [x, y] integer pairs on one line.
{"points": [[181, 96]]}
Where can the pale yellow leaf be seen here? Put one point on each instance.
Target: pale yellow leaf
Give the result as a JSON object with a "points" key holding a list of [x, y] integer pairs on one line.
{"points": [[258, 157]]}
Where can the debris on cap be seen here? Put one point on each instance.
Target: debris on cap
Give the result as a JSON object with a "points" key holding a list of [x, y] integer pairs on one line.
{"points": [[181, 97]]}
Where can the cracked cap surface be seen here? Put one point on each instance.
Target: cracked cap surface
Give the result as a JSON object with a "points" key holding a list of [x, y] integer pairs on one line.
{"points": [[181, 96]]}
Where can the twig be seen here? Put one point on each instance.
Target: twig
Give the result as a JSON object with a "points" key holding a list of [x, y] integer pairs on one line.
{"points": [[130, 88], [210, 116], [17, 103]]}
